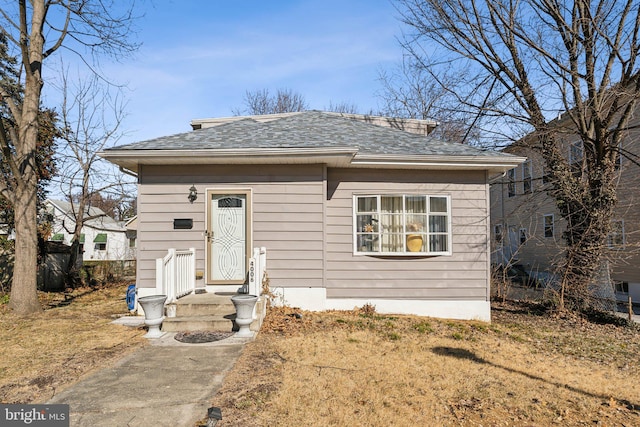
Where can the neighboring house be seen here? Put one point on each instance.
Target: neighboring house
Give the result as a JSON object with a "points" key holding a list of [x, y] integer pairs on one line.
{"points": [[350, 209], [131, 225], [102, 238], [527, 227], [6, 232]]}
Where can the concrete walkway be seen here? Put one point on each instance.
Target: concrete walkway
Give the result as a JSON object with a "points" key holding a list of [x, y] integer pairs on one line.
{"points": [[167, 383]]}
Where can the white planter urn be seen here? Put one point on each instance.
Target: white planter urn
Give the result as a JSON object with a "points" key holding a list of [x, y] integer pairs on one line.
{"points": [[244, 305], [153, 306]]}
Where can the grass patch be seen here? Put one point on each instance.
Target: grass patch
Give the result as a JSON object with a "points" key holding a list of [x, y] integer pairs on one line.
{"points": [[423, 327], [393, 336], [525, 368], [457, 336], [43, 353]]}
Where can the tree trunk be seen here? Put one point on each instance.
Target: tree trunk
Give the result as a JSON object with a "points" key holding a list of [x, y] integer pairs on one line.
{"points": [[24, 288], [24, 295], [590, 216], [73, 273], [586, 201]]}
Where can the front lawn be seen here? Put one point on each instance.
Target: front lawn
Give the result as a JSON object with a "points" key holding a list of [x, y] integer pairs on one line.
{"points": [[43, 353], [527, 368]]}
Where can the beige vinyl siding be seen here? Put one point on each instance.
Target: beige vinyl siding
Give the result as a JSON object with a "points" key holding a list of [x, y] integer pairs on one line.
{"points": [[463, 275], [626, 264], [545, 254], [527, 211], [287, 216]]}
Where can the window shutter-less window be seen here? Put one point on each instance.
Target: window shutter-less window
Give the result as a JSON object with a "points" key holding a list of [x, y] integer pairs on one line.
{"points": [[402, 224]]}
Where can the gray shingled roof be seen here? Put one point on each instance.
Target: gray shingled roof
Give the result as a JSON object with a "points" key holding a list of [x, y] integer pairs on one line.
{"points": [[309, 129]]}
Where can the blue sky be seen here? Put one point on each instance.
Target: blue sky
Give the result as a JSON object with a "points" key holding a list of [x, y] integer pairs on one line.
{"points": [[198, 58]]}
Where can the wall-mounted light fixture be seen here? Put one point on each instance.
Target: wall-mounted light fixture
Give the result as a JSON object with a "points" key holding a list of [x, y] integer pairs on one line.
{"points": [[193, 194]]}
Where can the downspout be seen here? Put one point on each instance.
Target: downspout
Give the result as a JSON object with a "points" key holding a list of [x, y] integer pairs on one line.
{"points": [[491, 181], [502, 218], [127, 172]]}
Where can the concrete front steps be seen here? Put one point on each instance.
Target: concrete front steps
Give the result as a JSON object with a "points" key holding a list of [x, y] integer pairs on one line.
{"points": [[208, 312]]}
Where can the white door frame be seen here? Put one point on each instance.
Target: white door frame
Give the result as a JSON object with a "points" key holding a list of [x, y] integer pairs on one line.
{"points": [[247, 192]]}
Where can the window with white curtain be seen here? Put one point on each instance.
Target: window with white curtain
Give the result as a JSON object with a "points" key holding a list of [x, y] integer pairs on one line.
{"points": [[402, 224]]}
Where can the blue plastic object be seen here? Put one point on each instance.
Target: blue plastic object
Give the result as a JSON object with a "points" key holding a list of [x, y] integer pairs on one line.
{"points": [[131, 296]]}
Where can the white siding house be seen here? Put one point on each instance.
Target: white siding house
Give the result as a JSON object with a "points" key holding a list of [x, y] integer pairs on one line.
{"points": [[102, 238]]}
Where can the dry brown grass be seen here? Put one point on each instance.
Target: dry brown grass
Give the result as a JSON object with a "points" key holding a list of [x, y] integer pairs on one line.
{"points": [[363, 369], [359, 368], [44, 353]]}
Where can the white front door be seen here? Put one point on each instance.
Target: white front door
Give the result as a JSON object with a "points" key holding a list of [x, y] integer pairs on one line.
{"points": [[227, 237]]}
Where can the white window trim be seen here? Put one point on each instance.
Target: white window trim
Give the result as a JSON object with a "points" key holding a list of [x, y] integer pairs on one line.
{"points": [[405, 253]]}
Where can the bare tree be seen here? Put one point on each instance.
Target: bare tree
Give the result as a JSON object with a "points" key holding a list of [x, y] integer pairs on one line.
{"points": [[342, 107], [284, 101], [117, 200], [91, 115], [526, 61], [48, 133], [415, 92], [35, 30], [262, 102]]}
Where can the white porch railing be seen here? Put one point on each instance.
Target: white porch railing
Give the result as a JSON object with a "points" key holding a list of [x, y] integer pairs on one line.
{"points": [[176, 273], [257, 269]]}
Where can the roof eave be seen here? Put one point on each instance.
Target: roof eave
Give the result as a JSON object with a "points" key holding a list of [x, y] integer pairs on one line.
{"points": [[131, 159], [494, 164], [335, 157]]}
